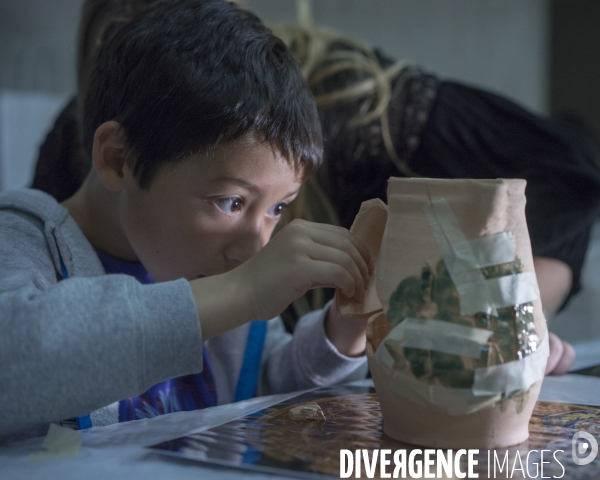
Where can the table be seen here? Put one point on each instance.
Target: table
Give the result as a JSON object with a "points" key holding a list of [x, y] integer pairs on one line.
{"points": [[118, 452]]}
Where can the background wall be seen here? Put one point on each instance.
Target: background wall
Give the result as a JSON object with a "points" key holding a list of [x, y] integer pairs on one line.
{"points": [[502, 45], [498, 44], [37, 44], [37, 74], [575, 69]]}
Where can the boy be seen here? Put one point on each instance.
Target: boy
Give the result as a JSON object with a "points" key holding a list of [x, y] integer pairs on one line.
{"points": [[200, 130]]}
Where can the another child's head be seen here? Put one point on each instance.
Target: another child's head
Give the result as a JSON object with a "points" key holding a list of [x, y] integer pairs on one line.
{"points": [[198, 121], [100, 20], [357, 89]]}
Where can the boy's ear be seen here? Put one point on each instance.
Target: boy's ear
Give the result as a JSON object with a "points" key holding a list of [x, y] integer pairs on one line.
{"points": [[109, 155]]}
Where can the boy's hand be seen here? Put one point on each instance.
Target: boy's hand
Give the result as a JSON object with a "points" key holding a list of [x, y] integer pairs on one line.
{"points": [[302, 256], [349, 335]]}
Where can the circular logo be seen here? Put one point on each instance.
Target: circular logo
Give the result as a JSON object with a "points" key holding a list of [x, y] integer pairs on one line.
{"points": [[583, 443]]}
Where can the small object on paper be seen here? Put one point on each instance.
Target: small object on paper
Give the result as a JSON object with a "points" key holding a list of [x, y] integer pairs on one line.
{"points": [[60, 442], [308, 411]]}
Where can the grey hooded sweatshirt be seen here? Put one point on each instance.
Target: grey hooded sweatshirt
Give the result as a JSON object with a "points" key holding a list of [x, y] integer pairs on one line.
{"points": [[73, 346]]}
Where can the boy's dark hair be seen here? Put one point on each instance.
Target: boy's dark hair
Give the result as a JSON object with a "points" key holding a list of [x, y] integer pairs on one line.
{"points": [[188, 74]]}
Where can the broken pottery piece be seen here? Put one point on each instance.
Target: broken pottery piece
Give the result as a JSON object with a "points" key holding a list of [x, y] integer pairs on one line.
{"points": [[459, 352], [368, 227], [308, 411]]}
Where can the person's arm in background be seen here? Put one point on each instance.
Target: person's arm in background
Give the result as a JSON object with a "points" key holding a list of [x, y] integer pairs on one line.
{"points": [[554, 279]]}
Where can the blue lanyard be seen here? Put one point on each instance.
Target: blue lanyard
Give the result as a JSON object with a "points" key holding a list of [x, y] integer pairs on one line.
{"points": [[246, 386]]}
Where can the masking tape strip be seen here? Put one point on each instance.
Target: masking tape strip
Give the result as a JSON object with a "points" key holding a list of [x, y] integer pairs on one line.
{"points": [[502, 292], [444, 216], [464, 259], [512, 376], [439, 336], [60, 442], [491, 249], [446, 231], [462, 264], [453, 401]]}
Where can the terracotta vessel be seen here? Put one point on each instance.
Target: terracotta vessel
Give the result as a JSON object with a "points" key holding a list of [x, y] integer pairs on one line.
{"points": [[458, 352]]}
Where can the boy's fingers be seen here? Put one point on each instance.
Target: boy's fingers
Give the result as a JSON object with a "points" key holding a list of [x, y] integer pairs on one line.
{"points": [[341, 231], [345, 243], [332, 275], [324, 253]]}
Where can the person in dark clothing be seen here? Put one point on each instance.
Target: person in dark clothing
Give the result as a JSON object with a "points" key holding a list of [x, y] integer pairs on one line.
{"points": [[382, 118]]}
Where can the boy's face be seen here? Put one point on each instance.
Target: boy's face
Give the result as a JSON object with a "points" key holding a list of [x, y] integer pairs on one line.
{"points": [[208, 213]]}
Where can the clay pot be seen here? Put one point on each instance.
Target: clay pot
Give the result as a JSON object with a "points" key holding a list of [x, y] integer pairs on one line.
{"points": [[458, 353]]}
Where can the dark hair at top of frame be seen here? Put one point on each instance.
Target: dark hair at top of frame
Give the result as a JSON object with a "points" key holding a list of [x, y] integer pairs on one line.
{"points": [[188, 74]]}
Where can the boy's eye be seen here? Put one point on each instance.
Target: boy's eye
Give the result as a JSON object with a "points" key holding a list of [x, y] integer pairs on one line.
{"points": [[229, 205], [278, 209]]}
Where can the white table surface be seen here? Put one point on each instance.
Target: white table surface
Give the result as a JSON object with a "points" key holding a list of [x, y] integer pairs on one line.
{"points": [[117, 452]]}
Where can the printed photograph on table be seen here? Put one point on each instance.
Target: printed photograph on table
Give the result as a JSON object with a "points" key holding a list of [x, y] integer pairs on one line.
{"points": [[304, 436]]}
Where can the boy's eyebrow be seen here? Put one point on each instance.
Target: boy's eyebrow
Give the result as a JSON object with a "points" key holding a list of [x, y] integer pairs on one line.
{"points": [[239, 182], [247, 185], [292, 193]]}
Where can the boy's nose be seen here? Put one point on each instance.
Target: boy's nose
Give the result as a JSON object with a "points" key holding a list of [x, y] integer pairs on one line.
{"points": [[247, 244]]}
